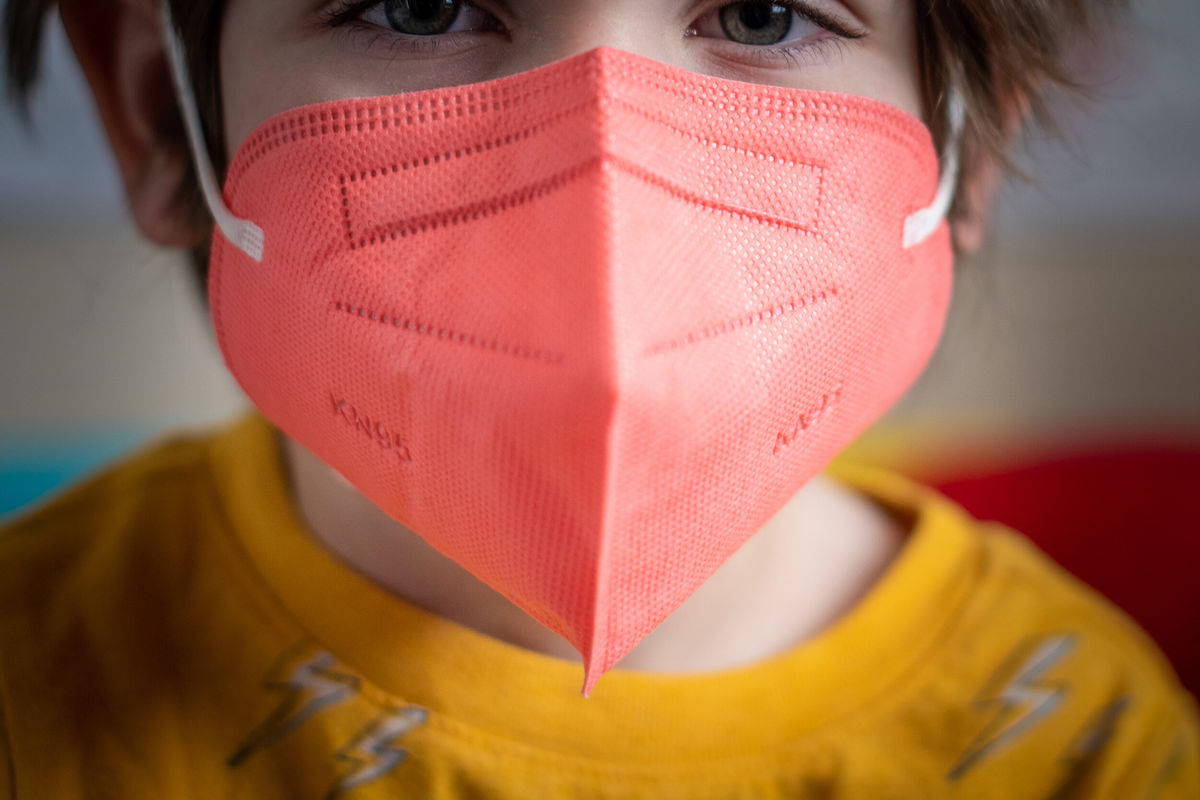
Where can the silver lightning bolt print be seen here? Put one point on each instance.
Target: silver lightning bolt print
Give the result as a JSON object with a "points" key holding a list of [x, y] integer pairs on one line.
{"points": [[372, 753], [1021, 703], [310, 686], [1087, 745]]}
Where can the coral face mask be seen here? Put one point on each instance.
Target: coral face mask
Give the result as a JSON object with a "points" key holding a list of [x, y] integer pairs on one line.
{"points": [[587, 328]]}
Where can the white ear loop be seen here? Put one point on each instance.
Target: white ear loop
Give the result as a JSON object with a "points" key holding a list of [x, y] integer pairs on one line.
{"points": [[243, 233], [920, 225]]}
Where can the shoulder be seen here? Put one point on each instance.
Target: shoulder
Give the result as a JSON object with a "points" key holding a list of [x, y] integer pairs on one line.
{"points": [[118, 539], [121, 535], [62, 538], [1004, 589], [1030, 682], [1022, 592], [91, 584], [1052, 662]]}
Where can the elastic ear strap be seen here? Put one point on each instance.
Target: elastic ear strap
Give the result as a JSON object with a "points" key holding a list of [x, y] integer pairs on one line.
{"points": [[243, 233], [921, 225]]}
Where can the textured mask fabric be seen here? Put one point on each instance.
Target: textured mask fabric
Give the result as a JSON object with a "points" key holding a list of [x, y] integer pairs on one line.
{"points": [[584, 329]]}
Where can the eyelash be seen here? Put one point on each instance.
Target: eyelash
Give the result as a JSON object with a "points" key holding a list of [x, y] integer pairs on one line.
{"points": [[345, 14], [819, 18], [798, 54]]}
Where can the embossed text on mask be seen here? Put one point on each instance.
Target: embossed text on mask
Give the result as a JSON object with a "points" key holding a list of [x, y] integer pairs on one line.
{"points": [[373, 428], [807, 419]]}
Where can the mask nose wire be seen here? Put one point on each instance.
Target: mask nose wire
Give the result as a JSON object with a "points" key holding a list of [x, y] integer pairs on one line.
{"points": [[243, 233], [920, 225]]}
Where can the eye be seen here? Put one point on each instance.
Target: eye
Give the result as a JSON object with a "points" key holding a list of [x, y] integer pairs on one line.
{"points": [[422, 17], [764, 24], [429, 17], [757, 23]]}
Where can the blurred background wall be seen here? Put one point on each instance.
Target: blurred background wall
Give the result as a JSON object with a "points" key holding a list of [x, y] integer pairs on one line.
{"points": [[1080, 319]]}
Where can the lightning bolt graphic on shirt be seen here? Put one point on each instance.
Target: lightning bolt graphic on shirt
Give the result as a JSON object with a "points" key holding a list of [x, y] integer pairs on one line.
{"points": [[1020, 704], [311, 686], [372, 753]]}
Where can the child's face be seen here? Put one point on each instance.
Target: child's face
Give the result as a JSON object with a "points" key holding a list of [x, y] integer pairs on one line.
{"points": [[279, 54]]}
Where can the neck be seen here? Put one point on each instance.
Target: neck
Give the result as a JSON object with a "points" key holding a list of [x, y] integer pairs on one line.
{"points": [[798, 575]]}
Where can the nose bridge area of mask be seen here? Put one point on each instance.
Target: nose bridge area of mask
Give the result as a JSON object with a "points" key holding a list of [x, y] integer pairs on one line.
{"points": [[494, 148], [472, 169], [596, 108]]}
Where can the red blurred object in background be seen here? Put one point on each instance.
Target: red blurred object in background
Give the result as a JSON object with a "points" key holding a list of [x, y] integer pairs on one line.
{"points": [[1125, 520]]}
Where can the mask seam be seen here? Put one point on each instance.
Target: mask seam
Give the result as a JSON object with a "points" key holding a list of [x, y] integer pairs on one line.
{"points": [[697, 199], [446, 334], [906, 142], [240, 166], [803, 109], [475, 211], [324, 123], [468, 152], [388, 107], [464, 152], [424, 223], [519, 136], [778, 309], [674, 344], [760, 155], [386, 114]]}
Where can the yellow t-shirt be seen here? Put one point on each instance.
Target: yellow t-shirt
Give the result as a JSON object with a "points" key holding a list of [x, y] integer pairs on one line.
{"points": [[171, 630]]}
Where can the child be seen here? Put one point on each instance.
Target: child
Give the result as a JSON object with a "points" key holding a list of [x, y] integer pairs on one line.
{"points": [[554, 313]]}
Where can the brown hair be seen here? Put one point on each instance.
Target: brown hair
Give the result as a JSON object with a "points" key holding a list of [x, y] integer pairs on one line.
{"points": [[1001, 55]]}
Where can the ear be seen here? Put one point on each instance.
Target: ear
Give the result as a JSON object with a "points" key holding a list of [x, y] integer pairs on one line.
{"points": [[119, 45], [979, 188]]}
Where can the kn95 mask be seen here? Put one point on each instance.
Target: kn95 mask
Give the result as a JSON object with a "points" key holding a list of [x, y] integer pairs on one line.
{"points": [[587, 328]]}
